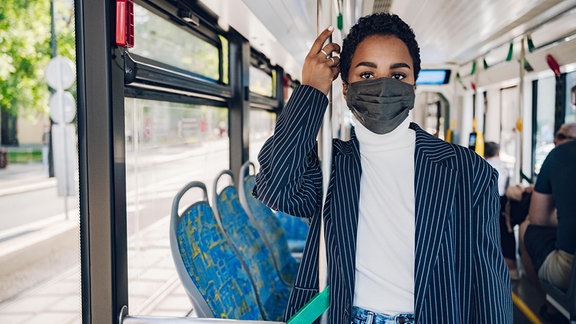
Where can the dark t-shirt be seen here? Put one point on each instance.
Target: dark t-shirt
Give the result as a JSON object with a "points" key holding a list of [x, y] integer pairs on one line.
{"points": [[558, 178]]}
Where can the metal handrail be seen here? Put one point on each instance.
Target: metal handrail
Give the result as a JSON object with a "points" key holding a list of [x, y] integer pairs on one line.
{"points": [[187, 320], [124, 318]]}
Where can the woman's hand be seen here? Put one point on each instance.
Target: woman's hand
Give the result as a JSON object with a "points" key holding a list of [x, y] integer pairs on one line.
{"points": [[320, 67]]}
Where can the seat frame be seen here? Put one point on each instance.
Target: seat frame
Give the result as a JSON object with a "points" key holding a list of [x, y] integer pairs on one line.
{"points": [[215, 198], [244, 172], [200, 306], [199, 303]]}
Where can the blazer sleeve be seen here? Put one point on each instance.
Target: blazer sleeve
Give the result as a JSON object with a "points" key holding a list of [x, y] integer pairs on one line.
{"points": [[492, 293], [290, 177]]}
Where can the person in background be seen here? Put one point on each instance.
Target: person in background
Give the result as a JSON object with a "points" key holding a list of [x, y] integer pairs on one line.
{"points": [[410, 221], [45, 146], [549, 235], [507, 239], [492, 156]]}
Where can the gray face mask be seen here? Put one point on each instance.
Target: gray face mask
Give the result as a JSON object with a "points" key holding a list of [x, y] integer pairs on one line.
{"points": [[380, 104]]}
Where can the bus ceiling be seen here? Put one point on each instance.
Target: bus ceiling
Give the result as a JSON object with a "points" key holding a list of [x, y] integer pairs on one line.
{"points": [[448, 34]]}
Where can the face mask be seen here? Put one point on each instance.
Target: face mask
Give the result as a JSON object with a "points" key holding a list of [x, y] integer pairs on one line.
{"points": [[380, 104]]}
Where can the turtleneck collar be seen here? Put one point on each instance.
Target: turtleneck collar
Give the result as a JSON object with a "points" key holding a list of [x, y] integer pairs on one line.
{"points": [[400, 137]]}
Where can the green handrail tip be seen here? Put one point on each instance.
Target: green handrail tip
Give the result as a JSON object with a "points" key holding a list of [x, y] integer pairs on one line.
{"points": [[313, 309]]}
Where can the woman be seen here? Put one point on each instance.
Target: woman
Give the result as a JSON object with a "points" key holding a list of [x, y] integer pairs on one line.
{"points": [[411, 222]]}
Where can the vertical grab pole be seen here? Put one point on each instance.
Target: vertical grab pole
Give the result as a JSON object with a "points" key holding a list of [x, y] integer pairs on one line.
{"points": [[325, 153], [519, 122]]}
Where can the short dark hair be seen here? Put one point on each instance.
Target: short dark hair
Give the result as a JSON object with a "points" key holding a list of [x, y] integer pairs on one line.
{"points": [[378, 24], [491, 149]]}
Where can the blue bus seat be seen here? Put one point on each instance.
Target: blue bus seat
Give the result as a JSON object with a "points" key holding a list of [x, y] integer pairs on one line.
{"points": [[212, 274], [272, 292], [296, 230], [269, 226], [563, 301]]}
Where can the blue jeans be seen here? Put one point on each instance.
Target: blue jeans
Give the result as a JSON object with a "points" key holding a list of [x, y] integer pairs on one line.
{"points": [[363, 316]]}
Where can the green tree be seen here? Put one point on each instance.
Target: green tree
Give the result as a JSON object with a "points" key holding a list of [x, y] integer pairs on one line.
{"points": [[25, 52]]}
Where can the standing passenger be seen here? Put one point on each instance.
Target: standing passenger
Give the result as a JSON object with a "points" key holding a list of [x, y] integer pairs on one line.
{"points": [[411, 222], [492, 156], [507, 239]]}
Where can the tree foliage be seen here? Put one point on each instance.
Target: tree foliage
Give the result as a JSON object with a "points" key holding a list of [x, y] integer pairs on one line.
{"points": [[25, 51]]}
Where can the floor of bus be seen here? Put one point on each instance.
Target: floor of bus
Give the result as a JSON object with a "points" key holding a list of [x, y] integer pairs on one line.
{"points": [[528, 302], [530, 297]]}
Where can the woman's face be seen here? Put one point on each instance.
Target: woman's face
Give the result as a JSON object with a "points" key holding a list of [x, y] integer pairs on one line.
{"points": [[380, 56]]}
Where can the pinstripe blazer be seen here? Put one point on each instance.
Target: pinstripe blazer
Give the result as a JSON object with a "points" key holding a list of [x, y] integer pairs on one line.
{"points": [[460, 275]]}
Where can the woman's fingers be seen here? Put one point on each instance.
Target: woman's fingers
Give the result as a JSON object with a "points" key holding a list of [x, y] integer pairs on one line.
{"points": [[330, 49], [321, 65], [334, 60], [320, 40]]}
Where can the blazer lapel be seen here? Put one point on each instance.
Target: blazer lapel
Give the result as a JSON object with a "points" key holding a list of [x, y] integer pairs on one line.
{"points": [[345, 192], [435, 186]]}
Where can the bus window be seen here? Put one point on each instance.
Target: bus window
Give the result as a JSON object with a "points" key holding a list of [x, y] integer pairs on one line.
{"points": [[544, 130], [570, 114], [162, 41], [167, 145], [261, 127], [261, 82]]}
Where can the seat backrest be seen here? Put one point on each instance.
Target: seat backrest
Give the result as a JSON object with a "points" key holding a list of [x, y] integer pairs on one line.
{"points": [[268, 225], [296, 230], [272, 292], [212, 274]]}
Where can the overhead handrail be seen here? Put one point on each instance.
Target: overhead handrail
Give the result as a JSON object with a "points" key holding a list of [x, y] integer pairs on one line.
{"points": [[528, 32]]}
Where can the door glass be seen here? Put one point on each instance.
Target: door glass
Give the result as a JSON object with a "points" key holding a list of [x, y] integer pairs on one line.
{"points": [[261, 127], [167, 146], [544, 121]]}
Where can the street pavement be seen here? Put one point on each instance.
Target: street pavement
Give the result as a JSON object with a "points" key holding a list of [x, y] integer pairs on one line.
{"points": [[34, 294], [21, 177]]}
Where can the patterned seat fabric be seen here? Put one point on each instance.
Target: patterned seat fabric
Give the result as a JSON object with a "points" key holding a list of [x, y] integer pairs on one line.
{"points": [[273, 230], [296, 230], [213, 266], [272, 292]]}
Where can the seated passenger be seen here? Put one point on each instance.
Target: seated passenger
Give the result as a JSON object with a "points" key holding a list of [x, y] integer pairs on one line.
{"points": [[549, 237]]}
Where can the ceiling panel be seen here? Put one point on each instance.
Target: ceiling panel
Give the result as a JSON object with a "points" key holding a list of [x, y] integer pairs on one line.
{"points": [[459, 31], [448, 31]]}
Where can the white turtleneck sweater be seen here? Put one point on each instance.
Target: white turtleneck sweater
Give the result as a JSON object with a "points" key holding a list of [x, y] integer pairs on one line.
{"points": [[386, 221]]}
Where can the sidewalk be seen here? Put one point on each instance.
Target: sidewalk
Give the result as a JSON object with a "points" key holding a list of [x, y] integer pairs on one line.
{"points": [[58, 299], [21, 177], [155, 288]]}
